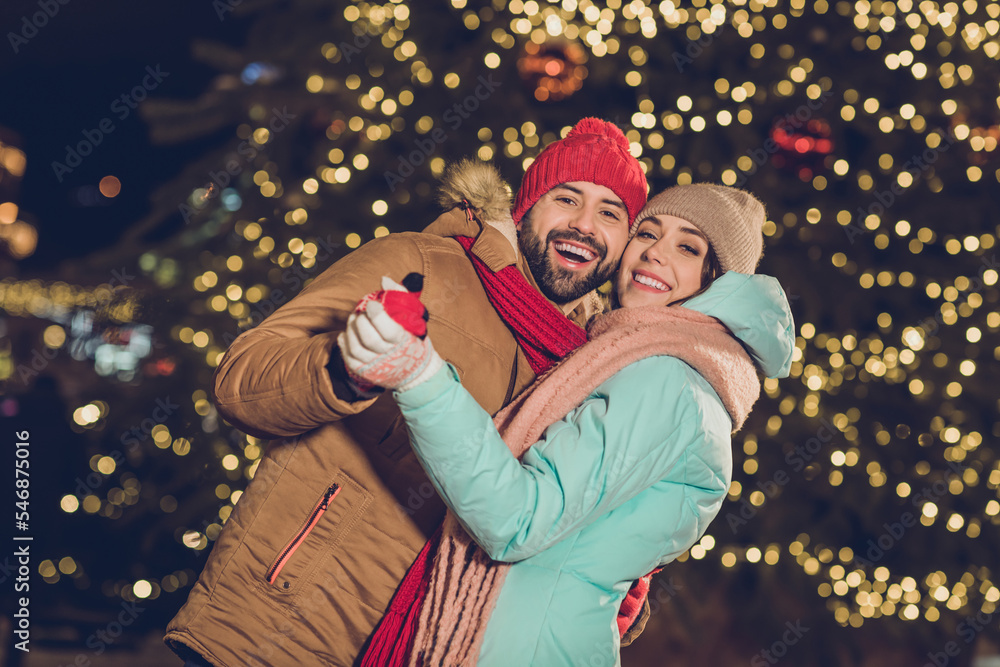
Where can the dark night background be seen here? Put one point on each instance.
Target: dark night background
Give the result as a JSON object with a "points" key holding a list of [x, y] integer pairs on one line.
{"points": [[64, 80]]}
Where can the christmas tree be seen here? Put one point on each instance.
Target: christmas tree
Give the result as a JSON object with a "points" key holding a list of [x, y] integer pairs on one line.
{"points": [[861, 525]]}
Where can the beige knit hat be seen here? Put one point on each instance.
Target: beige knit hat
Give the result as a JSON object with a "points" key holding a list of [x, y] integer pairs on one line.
{"points": [[732, 219]]}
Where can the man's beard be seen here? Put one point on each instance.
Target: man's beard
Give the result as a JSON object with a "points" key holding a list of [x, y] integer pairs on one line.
{"points": [[557, 283]]}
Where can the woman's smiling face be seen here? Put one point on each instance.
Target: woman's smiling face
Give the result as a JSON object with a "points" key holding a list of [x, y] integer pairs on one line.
{"points": [[662, 264]]}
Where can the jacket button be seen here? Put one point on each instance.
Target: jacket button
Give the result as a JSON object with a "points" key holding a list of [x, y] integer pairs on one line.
{"points": [[286, 585]]}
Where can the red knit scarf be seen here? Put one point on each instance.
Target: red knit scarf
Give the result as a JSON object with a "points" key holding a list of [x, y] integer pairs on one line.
{"points": [[546, 335]]}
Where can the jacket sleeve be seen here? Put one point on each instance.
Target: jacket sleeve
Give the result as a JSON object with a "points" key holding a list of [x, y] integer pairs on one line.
{"points": [[273, 380], [622, 440]]}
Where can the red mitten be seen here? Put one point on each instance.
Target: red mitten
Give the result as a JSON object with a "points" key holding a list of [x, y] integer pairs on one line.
{"points": [[631, 606], [402, 303]]}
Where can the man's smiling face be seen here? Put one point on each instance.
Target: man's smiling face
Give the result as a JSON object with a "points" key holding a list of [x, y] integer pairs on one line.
{"points": [[573, 238]]}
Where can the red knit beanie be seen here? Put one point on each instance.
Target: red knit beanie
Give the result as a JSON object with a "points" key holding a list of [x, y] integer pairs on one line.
{"points": [[595, 151]]}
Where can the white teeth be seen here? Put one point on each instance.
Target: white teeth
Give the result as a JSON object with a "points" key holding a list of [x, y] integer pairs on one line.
{"points": [[576, 250], [651, 282]]}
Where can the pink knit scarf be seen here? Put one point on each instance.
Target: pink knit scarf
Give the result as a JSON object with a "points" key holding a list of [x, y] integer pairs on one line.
{"points": [[464, 583]]}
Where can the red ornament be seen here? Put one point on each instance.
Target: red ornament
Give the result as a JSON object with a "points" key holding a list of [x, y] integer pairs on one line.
{"points": [[554, 70], [802, 146], [403, 307]]}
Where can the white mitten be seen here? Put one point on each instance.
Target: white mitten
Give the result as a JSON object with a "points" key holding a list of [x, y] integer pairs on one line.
{"points": [[379, 350]]}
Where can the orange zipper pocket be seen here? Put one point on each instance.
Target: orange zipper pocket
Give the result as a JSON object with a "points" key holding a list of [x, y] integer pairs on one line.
{"points": [[293, 544]]}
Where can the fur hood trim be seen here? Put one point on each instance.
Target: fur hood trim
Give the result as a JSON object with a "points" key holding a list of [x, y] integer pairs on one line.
{"points": [[481, 185]]}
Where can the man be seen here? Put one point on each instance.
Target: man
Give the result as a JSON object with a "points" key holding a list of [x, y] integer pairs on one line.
{"points": [[315, 549]]}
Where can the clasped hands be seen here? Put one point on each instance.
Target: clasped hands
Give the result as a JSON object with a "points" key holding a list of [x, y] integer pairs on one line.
{"points": [[380, 351]]}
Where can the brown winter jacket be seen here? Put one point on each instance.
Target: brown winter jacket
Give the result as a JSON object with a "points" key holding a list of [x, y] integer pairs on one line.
{"points": [[273, 383]]}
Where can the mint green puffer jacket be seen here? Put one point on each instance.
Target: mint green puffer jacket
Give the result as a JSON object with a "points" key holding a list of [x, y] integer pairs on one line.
{"points": [[653, 440]]}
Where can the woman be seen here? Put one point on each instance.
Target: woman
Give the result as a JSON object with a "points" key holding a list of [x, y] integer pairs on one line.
{"points": [[624, 447]]}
